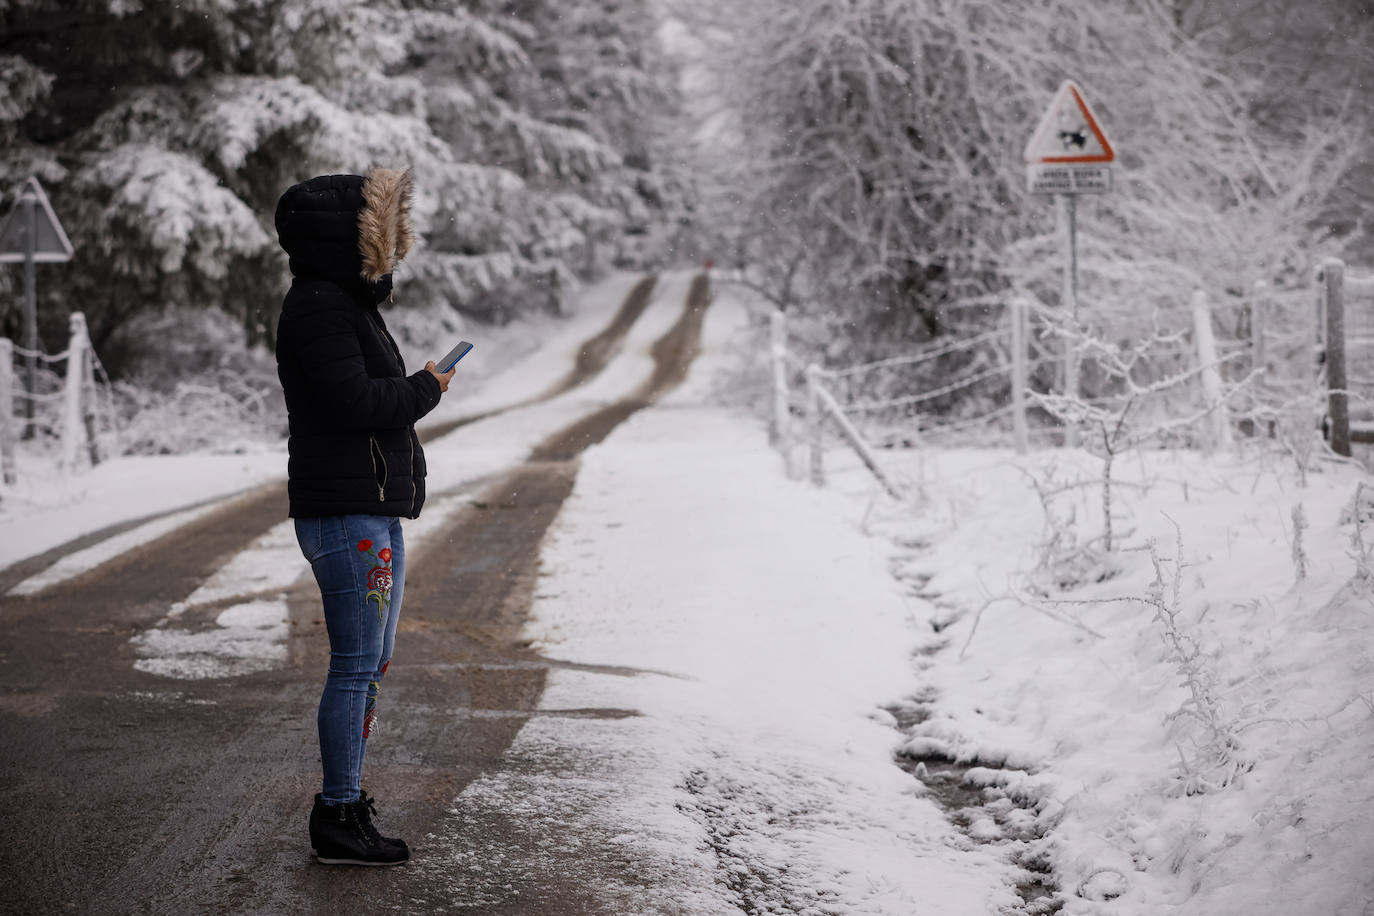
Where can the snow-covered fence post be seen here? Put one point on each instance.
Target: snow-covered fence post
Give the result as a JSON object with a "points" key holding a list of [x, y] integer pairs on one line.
{"points": [[1337, 400], [76, 374], [1259, 327], [1020, 339], [29, 202], [815, 423], [89, 417], [777, 332], [7, 409], [855, 439], [1218, 426], [1260, 306], [779, 431], [1296, 549]]}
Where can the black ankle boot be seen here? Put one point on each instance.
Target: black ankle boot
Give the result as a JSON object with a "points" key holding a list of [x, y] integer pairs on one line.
{"points": [[344, 835]]}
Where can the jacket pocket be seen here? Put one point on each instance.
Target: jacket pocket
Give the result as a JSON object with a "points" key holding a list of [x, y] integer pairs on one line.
{"points": [[379, 471]]}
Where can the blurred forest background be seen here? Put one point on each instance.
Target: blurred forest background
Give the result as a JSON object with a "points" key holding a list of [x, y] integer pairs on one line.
{"points": [[856, 162]]}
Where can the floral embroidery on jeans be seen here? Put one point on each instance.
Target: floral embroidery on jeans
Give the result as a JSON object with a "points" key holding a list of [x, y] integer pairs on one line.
{"points": [[374, 689], [378, 578]]}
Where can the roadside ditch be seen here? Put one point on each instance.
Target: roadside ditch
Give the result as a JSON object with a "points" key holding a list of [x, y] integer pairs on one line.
{"points": [[990, 803]]}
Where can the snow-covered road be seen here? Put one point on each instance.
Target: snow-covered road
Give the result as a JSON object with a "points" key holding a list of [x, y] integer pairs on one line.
{"points": [[642, 672]]}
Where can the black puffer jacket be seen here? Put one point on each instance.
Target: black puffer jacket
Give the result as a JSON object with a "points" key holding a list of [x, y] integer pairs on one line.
{"points": [[351, 408]]}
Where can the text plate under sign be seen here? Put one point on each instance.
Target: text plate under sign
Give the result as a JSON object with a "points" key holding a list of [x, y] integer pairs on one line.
{"points": [[1048, 178]]}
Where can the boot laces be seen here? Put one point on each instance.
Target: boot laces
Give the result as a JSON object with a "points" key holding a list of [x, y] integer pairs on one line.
{"points": [[366, 809]]}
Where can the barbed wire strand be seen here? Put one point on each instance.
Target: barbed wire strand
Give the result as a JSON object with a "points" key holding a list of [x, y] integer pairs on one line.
{"points": [[918, 357], [907, 400], [45, 357]]}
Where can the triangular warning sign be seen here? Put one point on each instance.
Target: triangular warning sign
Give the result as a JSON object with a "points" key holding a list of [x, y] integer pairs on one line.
{"points": [[1068, 132], [50, 242]]}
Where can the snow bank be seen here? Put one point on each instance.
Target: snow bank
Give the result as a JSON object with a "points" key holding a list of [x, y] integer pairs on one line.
{"points": [[46, 508], [1122, 732]]}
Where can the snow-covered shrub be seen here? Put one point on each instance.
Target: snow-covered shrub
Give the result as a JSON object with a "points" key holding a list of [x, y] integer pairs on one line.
{"points": [[1297, 434], [1357, 515], [200, 386], [45, 419], [1203, 720], [1065, 557], [1128, 413], [222, 414]]}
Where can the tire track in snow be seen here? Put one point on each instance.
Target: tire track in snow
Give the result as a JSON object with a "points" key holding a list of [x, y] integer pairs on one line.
{"points": [[592, 357]]}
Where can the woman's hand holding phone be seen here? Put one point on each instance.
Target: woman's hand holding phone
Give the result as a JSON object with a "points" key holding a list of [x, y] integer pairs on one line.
{"points": [[443, 377], [451, 361]]}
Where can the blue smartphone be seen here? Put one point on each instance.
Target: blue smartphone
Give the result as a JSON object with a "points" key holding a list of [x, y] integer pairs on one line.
{"points": [[457, 353]]}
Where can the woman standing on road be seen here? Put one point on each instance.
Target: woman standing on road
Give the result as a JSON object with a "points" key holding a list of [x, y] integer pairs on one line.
{"points": [[355, 466]]}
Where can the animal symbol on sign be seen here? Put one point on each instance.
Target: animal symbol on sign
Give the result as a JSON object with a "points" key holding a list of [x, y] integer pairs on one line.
{"points": [[1070, 138]]}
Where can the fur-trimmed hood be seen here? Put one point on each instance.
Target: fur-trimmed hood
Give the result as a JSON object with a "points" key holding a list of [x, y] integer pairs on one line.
{"points": [[350, 229], [384, 231]]}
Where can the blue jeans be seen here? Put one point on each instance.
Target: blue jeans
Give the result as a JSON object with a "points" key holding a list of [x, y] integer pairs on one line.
{"points": [[359, 563]]}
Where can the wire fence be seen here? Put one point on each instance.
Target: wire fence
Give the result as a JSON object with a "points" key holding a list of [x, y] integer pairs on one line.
{"points": [[1180, 386], [63, 403], [882, 404]]}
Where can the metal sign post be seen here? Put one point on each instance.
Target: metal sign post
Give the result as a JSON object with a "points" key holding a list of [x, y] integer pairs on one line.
{"points": [[1070, 299], [32, 233], [1069, 154]]}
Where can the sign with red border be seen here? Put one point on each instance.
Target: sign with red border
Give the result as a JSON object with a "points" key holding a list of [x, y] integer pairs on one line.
{"points": [[1069, 133]]}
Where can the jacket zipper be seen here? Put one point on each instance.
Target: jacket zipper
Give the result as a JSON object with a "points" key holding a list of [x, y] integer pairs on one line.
{"points": [[373, 451], [413, 490], [376, 323]]}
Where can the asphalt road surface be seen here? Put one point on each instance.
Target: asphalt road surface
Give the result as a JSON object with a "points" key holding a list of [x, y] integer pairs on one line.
{"points": [[125, 792]]}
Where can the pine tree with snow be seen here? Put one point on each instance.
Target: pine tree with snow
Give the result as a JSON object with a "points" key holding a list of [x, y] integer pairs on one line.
{"points": [[165, 132]]}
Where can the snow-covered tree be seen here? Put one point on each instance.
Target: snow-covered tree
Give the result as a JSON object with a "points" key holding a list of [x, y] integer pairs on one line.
{"points": [[871, 152], [165, 129]]}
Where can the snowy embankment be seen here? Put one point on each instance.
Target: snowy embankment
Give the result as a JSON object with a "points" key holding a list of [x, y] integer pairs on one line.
{"points": [[48, 508], [715, 740], [1209, 754]]}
